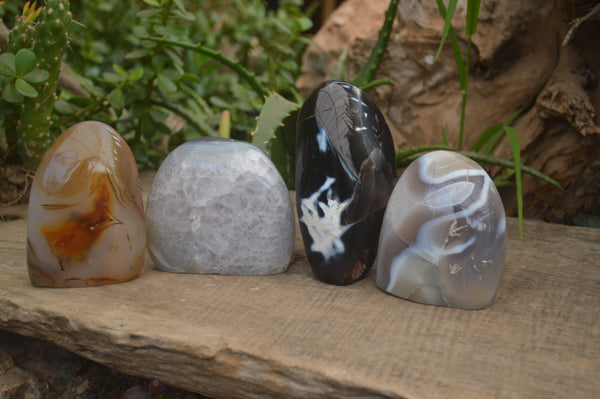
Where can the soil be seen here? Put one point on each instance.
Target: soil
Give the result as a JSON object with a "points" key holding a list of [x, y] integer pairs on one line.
{"points": [[32, 368], [15, 184]]}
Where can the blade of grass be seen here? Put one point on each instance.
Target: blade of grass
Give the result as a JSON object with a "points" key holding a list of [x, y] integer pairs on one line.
{"points": [[403, 158], [489, 147], [340, 72], [375, 83], [486, 136], [472, 16], [494, 132], [506, 163], [447, 15], [444, 136], [515, 147], [460, 65]]}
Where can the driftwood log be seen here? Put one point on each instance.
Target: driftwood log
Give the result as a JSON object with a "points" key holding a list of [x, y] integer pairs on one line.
{"points": [[518, 58], [291, 336]]}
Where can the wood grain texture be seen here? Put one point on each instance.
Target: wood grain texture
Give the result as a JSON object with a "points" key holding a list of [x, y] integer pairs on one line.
{"points": [[290, 335]]}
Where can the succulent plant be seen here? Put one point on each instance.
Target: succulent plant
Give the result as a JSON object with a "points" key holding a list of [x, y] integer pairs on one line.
{"points": [[45, 32]]}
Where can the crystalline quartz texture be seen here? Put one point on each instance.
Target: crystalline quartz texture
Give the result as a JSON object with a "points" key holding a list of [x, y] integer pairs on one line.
{"points": [[345, 173], [220, 206], [443, 238], [86, 218]]}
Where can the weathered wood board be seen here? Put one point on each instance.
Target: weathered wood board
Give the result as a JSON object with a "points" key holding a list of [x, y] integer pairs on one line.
{"points": [[289, 335]]}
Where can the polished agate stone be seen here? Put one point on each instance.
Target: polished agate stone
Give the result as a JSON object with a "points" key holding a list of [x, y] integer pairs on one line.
{"points": [[219, 206], [86, 218], [443, 238], [345, 173]]}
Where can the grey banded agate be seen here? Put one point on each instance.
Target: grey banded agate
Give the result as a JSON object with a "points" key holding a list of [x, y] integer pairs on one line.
{"points": [[443, 237]]}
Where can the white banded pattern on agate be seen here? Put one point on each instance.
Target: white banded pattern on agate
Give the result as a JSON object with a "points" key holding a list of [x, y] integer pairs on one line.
{"points": [[443, 237]]}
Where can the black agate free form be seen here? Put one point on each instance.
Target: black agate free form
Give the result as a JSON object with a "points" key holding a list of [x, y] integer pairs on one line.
{"points": [[345, 173]]}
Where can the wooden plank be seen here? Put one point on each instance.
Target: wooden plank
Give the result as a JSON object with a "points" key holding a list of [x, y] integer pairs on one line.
{"points": [[289, 335]]}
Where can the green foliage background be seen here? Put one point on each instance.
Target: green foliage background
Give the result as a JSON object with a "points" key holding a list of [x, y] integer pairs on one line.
{"points": [[224, 68], [135, 84]]}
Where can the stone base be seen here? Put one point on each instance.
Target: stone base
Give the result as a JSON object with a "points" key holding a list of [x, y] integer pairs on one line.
{"points": [[32, 368], [291, 336]]}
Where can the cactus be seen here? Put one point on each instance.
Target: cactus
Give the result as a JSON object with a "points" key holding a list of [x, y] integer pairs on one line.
{"points": [[367, 72], [20, 36], [44, 31]]}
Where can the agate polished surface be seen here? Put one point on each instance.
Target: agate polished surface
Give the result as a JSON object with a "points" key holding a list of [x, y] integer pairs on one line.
{"points": [[443, 238], [345, 173], [86, 218], [220, 206]]}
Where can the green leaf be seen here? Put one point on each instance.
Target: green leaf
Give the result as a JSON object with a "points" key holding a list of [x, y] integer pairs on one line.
{"points": [[219, 102], [234, 65], [137, 54], [136, 74], [152, 3], [119, 69], [113, 77], [272, 113], [303, 23], [515, 147], [147, 13], [447, 21], [165, 84], [25, 88], [472, 16], [116, 99], [24, 61], [7, 64], [187, 16], [11, 95], [36, 76], [190, 78], [64, 107], [180, 5]]}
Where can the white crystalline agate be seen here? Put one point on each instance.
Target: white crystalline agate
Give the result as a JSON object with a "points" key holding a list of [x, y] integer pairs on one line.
{"points": [[327, 230], [443, 238], [219, 206]]}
